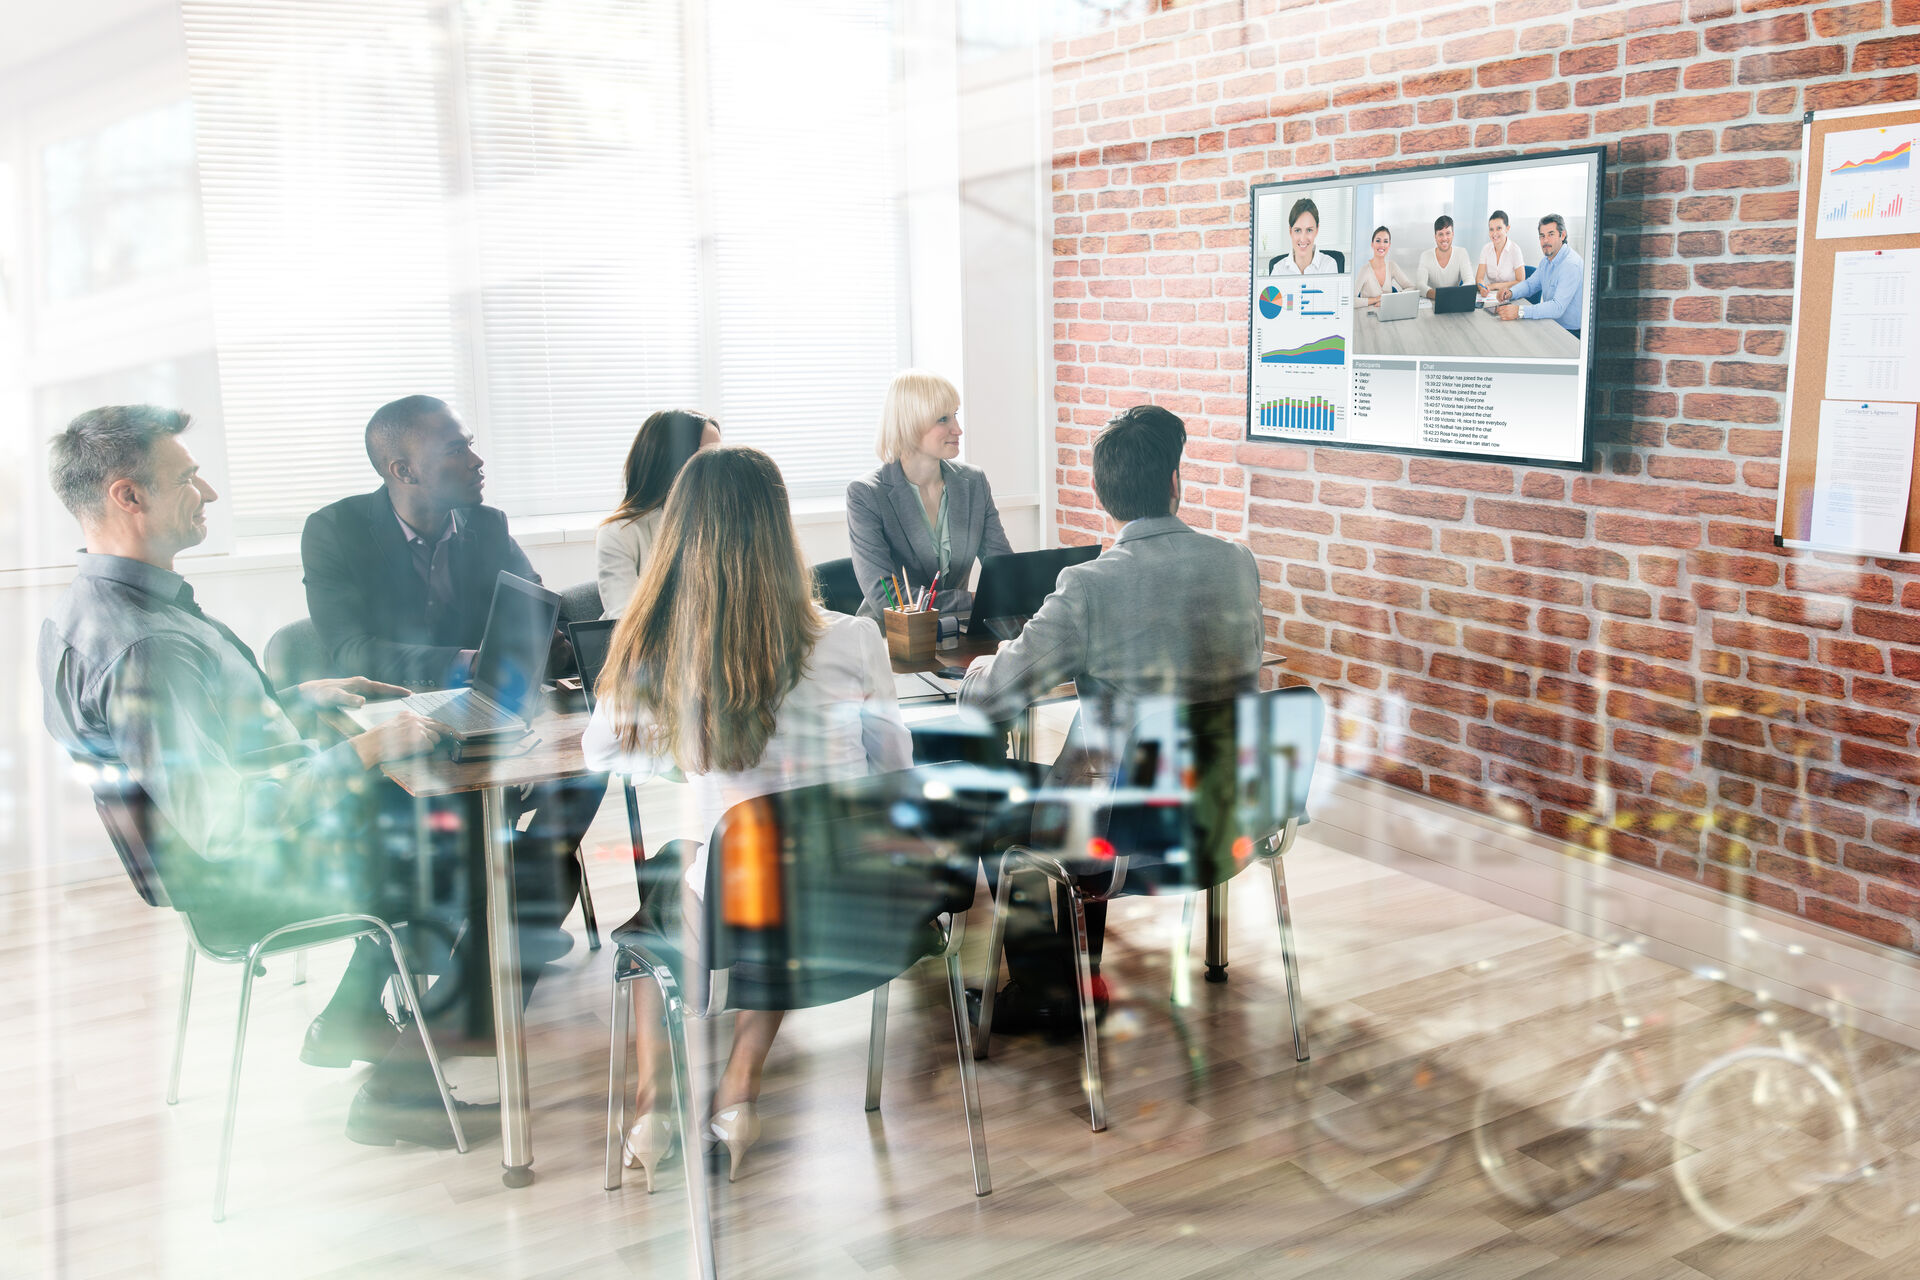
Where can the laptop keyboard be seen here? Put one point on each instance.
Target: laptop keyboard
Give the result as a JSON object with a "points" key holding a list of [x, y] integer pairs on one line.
{"points": [[458, 710]]}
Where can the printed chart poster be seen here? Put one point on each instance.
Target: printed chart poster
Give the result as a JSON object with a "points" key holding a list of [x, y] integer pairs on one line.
{"points": [[1867, 185], [1302, 328]]}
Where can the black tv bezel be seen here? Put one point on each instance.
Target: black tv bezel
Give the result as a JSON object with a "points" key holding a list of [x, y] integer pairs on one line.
{"points": [[1588, 342]]}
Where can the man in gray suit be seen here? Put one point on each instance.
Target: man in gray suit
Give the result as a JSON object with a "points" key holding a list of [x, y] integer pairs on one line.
{"points": [[1166, 611]]}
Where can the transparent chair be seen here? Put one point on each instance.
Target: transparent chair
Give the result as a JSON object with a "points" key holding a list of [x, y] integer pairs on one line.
{"points": [[136, 831], [813, 896], [1202, 791]]}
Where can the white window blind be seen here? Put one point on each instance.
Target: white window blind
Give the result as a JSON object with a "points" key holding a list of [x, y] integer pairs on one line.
{"points": [[588, 237], [541, 211], [807, 235], [323, 177]]}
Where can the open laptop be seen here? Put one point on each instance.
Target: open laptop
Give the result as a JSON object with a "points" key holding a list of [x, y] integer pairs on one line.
{"points": [[1403, 305], [1454, 297], [505, 693], [1013, 586], [590, 642]]}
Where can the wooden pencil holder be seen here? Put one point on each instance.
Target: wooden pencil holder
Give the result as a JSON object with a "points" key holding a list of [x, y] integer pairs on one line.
{"points": [[911, 636]]}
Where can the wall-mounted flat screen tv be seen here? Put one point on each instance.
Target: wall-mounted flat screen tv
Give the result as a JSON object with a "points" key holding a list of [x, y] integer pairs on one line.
{"points": [[1443, 310]]}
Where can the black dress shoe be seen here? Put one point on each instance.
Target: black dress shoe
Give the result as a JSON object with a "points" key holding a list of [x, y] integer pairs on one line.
{"points": [[375, 1121], [339, 1038]]}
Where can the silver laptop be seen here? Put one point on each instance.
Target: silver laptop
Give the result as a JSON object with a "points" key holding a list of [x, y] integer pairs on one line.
{"points": [[1403, 305], [505, 694]]}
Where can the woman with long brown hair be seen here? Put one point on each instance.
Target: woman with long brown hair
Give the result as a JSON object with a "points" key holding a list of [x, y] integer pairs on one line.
{"points": [[724, 665], [660, 448]]}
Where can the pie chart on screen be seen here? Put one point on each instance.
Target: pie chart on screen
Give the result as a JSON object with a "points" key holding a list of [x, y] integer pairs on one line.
{"points": [[1270, 302]]}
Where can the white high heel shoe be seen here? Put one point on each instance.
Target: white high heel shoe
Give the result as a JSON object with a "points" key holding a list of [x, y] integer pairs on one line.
{"points": [[738, 1126], [648, 1142]]}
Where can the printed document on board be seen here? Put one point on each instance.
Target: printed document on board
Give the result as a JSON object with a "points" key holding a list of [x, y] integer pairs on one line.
{"points": [[1874, 327], [1863, 471]]}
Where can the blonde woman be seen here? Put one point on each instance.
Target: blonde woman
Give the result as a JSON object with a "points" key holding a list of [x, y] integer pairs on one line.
{"points": [[724, 665], [660, 448], [922, 512]]}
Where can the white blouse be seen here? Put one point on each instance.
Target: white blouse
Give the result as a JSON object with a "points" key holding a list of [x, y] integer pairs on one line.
{"points": [[1321, 265], [1505, 268], [620, 551], [840, 721]]}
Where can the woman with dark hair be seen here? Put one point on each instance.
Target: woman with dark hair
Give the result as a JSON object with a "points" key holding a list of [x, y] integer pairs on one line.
{"points": [[662, 446], [1303, 227], [724, 665], [1381, 275]]}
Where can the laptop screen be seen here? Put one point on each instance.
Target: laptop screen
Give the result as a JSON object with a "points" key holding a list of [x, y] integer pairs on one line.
{"points": [[1014, 586], [513, 654]]}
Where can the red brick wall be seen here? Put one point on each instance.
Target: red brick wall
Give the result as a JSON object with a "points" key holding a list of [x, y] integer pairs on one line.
{"points": [[1619, 658]]}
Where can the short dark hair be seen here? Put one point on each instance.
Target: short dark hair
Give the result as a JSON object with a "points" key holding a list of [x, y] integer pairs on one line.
{"points": [[1502, 215], [391, 424], [1377, 230], [1441, 223], [1133, 459], [106, 444], [1557, 221], [1304, 205]]}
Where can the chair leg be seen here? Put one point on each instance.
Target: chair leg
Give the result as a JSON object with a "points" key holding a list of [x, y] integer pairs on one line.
{"points": [[299, 968], [996, 942], [617, 1050], [180, 1028], [877, 1045], [586, 902], [410, 992], [969, 1088], [1287, 957], [687, 1105], [1089, 1027], [1181, 961], [233, 1085]]}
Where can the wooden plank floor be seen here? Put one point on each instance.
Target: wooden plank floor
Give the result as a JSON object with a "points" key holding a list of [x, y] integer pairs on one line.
{"points": [[1429, 1011]]}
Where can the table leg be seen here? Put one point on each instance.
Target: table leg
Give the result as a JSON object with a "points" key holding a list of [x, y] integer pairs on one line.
{"points": [[1217, 933], [509, 1025]]}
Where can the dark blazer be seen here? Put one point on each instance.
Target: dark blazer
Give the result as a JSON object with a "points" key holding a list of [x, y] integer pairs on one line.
{"points": [[888, 529], [368, 603]]}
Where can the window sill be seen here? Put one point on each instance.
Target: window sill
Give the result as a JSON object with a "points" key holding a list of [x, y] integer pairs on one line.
{"points": [[282, 551]]}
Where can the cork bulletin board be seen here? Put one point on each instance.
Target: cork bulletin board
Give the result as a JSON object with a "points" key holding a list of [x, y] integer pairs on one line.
{"points": [[1855, 371]]}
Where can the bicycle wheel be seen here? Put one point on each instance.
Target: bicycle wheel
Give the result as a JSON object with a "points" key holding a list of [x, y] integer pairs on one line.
{"points": [[1370, 1132], [1588, 1156], [1761, 1137]]}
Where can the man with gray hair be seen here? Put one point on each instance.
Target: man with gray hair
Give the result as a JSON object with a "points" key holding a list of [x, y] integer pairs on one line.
{"points": [[261, 826], [1557, 288]]}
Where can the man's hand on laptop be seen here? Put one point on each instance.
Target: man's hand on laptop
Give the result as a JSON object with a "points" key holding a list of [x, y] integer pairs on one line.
{"points": [[353, 691], [407, 734]]}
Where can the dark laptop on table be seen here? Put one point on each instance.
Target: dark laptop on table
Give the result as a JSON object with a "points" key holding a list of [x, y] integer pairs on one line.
{"points": [[1012, 587], [1455, 297], [505, 693]]}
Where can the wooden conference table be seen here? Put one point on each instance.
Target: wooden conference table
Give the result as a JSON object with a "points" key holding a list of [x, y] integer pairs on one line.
{"points": [[1460, 333], [557, 756]]}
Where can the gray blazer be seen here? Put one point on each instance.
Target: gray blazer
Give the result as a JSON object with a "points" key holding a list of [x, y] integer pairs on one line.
{"points": [[888, 529], [1165, 609]]}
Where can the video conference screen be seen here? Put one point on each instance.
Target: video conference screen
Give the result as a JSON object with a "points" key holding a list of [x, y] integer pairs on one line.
{"points": [[1440, 310]]}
